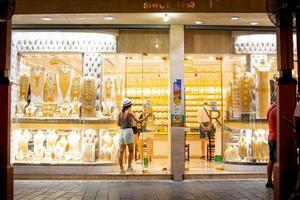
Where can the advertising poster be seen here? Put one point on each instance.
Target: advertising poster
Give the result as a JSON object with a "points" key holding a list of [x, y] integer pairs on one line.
{"points": [[177, 116]]}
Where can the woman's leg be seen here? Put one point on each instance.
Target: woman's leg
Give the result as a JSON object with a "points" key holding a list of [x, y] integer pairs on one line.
{"points": [[131, 150], [202, 146], [121, 156]]}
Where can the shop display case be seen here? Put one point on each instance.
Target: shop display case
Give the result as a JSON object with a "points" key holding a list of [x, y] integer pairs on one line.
{"points": [[246, 146], [64, 146], [61, 117]]}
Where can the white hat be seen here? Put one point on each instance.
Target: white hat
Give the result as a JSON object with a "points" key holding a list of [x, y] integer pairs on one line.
{"points": [[126, 102]]}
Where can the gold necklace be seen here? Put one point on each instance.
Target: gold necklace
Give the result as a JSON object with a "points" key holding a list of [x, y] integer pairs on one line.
{"points": [[24, 85], [89, 90], [107, 105], [75, 88], [37, 80], [64, 81], [108, 87], [50, 89]]}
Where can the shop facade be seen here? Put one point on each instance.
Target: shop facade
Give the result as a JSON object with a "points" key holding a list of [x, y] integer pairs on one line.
{"points": [[68, 87], [70, 118]]}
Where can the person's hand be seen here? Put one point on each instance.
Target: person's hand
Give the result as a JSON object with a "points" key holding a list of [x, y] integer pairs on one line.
{"points": [[206, 129]]}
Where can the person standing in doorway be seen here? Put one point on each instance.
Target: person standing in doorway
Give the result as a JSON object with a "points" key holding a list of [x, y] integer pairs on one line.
{"points": [[125, 120], [271, 117], [204, 126]]}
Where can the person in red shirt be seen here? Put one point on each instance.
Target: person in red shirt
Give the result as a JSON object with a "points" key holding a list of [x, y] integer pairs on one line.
{"points": [[271, 117]]}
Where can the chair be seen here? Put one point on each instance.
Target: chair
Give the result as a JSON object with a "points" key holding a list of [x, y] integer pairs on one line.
{"points": [[210, 148]]}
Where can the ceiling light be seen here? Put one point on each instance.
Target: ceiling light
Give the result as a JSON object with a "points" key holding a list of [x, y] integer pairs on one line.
{"points": [[47, 18], [198, 22], [189, 57], [235, 18], [108, 18], [166, 17], [211, 58], [157, 46], [253, 23]]}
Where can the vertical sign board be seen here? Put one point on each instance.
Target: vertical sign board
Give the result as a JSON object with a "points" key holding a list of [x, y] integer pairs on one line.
{"points": [[177, 110]]}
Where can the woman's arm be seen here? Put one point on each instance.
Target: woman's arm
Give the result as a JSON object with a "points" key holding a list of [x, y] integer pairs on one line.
{"points": [[139, 121]]}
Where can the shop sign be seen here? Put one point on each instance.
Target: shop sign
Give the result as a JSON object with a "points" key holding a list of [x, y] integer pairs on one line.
{"points": [[162, 5], [138, 6]]}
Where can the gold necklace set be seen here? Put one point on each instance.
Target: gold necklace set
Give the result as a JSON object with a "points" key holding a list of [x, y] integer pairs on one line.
{"points": [[37, 80], [89, 89], [50, 89], [64, 80], [108, 87], [75, 88], [24, 85]]}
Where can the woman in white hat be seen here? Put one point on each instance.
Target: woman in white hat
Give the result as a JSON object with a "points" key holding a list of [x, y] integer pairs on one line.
{"points": [[126, 136]]}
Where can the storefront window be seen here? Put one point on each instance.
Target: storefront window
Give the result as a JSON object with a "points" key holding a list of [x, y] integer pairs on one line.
{"points": [[67, 95]]}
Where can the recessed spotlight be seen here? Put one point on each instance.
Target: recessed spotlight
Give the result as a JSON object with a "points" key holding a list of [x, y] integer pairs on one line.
{"points": [[235, 18], [166, 17], [157, 46], [253, 23], [211, 58], [108, 18], [189, 57], [46, 18], [198, 22]]}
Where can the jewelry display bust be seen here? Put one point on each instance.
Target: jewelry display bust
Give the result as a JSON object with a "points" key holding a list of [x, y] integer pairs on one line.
{"points": [[24, 87], [51, 139], [39, 149], [64, 79], [37, 80], [30, 110], [23, 142], [75, 97], [89, 140], [88, 97], [50, 88], [107, 108]]}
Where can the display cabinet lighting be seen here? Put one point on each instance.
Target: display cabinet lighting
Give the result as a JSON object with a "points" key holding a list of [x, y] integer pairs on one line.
{"points": [[234, 18], [211, 58], [166, 17], [108, 18], [253, 23], [198, 22], [47, 18]]}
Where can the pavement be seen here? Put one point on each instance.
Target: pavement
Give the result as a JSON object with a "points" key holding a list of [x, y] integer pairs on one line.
{"points": [[140, 190]]}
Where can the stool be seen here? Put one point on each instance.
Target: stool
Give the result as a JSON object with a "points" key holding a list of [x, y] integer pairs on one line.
{"points": [[186, 149], [187, 152], [210, 147]]}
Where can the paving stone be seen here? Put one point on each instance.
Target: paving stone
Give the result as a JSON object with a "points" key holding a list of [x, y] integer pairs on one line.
{"points": [[142, 190]]}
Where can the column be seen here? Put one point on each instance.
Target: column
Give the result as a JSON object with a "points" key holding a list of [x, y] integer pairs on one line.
{"points": [[6, 170], [285, 170], [176, 100]]}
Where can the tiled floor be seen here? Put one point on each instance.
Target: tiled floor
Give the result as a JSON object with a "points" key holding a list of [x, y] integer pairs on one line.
{"points": [[139, 190], [157, 166]]}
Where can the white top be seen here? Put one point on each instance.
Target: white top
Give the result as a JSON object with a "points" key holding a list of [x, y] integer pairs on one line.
{"points": [[202, 115]]}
